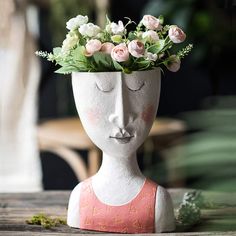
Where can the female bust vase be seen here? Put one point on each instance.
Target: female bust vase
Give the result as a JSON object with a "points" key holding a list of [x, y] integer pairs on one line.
{"points": [[117, 111]]}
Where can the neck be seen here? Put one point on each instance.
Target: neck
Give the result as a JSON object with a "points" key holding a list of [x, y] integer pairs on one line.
{"points": [[118, 180], [119, 168]]}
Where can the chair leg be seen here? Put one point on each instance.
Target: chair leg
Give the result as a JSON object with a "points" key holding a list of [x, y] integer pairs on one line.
{"points": [[73, 159], [93, 161]]}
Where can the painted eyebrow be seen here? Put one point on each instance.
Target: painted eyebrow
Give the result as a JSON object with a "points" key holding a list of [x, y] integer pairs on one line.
{"points": [[134, 90], [105, 91]]}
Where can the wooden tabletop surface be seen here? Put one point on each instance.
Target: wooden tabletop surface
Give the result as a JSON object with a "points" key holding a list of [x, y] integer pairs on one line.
{"points": [[16, 208]]}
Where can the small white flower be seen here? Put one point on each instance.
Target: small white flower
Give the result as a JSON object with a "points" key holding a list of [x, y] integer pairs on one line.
{"points": [[89, 30], [75, 22], [151, 36], [151, 56], [114, 28]]}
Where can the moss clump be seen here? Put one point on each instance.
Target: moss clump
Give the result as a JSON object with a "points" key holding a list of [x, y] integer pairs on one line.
{"points": [[46, 221]]}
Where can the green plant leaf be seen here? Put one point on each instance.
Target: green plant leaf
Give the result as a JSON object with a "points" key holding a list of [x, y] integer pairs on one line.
{"points": [[67, 69], [132, 36], [144, 64], [157, 47], [78, 54], [117, 66], [161, 19], [103, 61]]}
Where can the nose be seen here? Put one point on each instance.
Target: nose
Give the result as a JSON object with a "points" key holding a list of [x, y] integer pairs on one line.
{"points": [[122, 114]]}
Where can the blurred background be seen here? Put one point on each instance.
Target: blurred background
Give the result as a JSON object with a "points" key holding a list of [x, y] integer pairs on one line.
{"points": [[42, 145]]}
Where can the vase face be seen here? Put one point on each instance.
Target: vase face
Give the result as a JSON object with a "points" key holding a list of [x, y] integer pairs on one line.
{"points": [[117, 110]]}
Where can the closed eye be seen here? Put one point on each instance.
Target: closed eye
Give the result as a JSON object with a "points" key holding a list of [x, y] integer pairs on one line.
{"points": [[103, 89], [134, 90]]}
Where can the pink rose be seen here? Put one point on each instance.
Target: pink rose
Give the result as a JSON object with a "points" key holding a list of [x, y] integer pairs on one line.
{"points": [[176, 35], [173, 63], [120, 53], [151, 22], [136, 48], [107, 47], [92, 46]]}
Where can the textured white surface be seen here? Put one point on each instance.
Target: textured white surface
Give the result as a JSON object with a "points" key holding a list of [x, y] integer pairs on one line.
{"points": [[117, 111], [117, 105]]}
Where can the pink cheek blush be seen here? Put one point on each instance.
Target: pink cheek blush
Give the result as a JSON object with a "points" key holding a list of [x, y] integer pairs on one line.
{"points": [[93, 115], [148, 113]]}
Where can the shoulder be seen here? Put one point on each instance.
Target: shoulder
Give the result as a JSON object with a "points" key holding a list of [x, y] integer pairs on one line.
{"points": [[164, 211], [75, 193], [73, 207]]}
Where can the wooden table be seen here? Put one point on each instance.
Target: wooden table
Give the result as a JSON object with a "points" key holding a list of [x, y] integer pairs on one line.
{"points": [[16, 208], [66, 135]]}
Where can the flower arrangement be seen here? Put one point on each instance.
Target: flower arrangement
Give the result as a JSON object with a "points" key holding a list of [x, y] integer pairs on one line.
{"points": [[88, 48]]}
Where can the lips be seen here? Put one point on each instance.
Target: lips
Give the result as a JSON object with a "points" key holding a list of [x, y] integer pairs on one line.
{"points": [[122, 138]]}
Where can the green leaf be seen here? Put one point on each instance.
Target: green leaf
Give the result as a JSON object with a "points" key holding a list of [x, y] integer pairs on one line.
{"points": [[157, 47], [66, 69], [161, 19], [117, 66], [78, 54], [127, 70], [132, 36], [103, 61], [108, 21], [144, 64], [82, 41]]}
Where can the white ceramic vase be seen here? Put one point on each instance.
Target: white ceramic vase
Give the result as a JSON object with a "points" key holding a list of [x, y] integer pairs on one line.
{"points": [[117, 111]]}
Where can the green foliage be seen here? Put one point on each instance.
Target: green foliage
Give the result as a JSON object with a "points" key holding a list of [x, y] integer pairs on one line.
{"points": [[103, 62], [157, 47], [188, 212], [117, 66]]}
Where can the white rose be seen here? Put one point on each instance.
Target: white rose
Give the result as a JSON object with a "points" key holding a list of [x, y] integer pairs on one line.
{"points": [[117, 28], [75, 22], [69, 42], [151, 36], [151, 56], [82, 19], [89, 29]]}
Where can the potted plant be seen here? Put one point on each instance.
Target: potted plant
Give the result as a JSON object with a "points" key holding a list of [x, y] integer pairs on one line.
{"points": [[116, 80]]}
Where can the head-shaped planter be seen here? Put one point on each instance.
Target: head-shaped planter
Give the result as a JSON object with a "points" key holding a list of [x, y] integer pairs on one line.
{"points": [[117, 111]]}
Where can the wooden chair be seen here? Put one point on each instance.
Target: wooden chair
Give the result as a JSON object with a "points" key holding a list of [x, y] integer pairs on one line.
{"points": [[64, 136]]}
